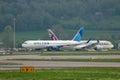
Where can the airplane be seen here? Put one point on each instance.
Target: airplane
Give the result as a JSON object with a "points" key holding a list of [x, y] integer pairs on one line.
{"points": [[53, 44], [98, 45]]}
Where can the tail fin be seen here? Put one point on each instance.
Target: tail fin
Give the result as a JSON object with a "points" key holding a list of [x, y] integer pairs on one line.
{"points": [[78, 35], [52, 35]]}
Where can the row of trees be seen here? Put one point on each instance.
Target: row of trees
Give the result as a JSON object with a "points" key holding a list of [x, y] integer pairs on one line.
{"points": [[7, 37], [69, 14]]}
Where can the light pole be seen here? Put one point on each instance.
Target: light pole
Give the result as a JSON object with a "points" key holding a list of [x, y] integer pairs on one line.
{"points": [[14, 20]]}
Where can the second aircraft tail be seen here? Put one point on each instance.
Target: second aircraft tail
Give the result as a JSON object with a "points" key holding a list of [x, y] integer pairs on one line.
{"points": [[78, 35], [52, 35]]}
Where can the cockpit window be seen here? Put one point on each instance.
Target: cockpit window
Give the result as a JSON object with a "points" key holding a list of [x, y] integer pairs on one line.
{"points": [[24, 43]]}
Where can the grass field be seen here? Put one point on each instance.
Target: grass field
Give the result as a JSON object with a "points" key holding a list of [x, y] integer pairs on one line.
{"points": [[64, 53], [44, 35], [64, 74], [9, 63], [68, 53], [73, 60], [115, 52], [94, 34]]}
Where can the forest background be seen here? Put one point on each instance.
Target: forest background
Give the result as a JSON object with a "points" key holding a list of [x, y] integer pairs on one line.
{"points": [[100, 18]]}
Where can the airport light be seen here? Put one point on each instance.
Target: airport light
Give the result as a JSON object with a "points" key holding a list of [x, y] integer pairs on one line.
{"points": [[14, 21]]}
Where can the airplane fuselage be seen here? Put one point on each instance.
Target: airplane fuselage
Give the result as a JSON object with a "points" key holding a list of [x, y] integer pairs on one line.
{"points": [[103, 44], [47, 43]]}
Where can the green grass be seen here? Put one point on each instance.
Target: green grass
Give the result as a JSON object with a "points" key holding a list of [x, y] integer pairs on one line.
{"points": [[31, 35], [73, 60], [99, 34], [9, 63], [68, 53], [95, 34], [64, 74]]}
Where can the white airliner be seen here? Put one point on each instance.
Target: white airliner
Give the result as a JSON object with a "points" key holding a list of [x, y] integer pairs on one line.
{"points": [[53, 44], [94, 44], [85, 44]]}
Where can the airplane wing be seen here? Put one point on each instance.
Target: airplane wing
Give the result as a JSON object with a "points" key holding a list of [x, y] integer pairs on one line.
{"points": [[90, 45], [86, 45]]}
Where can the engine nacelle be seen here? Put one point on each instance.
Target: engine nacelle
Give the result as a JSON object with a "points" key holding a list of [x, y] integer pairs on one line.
{"points": [[98, 48], [53, 48]]}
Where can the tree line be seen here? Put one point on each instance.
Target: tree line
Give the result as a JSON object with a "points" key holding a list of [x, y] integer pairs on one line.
{"points": [[33, 15]]}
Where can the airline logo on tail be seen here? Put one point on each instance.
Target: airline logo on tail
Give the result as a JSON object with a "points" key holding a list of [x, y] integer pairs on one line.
{"points": [[79, 34], [52, 35], [77, 37]]}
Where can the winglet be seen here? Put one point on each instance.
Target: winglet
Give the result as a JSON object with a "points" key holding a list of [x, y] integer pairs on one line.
{"points": [[52, 35], [78, 35], [88, 40], [98, 41]]}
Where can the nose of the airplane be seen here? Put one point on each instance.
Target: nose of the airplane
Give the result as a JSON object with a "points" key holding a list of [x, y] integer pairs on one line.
{"points": [[112, 46], [23, 45]]}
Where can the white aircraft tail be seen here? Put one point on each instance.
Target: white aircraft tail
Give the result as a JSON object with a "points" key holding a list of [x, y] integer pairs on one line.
{"points": [[52, 35]]}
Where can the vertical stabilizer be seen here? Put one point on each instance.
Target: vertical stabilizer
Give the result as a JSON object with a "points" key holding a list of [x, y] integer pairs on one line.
{"points": [[78, 35], [52, 35]]}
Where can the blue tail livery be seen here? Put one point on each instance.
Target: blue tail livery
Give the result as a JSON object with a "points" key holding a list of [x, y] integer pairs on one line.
{"points": [[79, 34]]}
